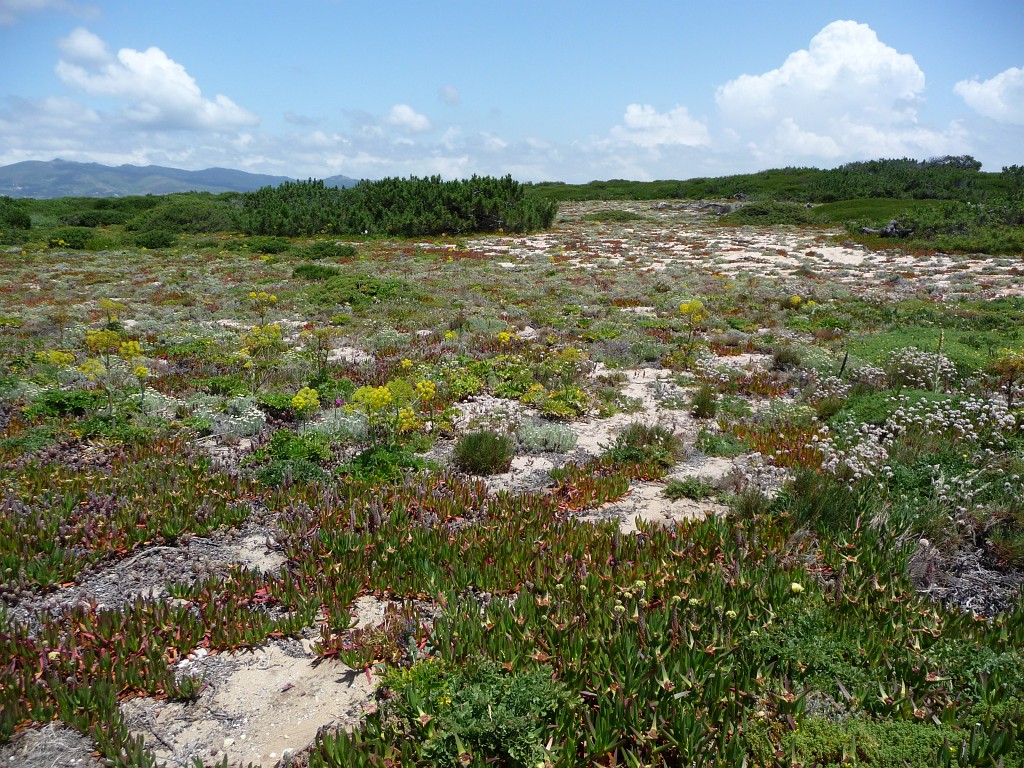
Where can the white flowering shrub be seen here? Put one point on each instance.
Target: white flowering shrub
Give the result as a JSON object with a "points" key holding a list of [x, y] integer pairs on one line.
{"points": [[341, 424], [869, 377], [240, 417], [917, 369]]}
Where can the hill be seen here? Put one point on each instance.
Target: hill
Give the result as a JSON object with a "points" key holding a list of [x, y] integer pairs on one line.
{"points": [[63, 178]]}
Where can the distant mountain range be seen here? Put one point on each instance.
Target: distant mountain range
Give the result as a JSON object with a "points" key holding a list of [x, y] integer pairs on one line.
{"points": [[62, 178]]}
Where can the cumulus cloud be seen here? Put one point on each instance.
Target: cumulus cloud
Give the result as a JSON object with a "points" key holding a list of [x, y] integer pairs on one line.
{"points": [[847, 95], [408, 119], [646, 127], [1000, 98], [156, 90]]}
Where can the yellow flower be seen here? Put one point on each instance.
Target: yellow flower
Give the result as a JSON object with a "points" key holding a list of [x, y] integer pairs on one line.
{"points": [[306, 402], [140, 371], [407, 420], [56, 357], [129, 350], [92, 369], [373, 398], [406, 363], [796, 587], [693, 311], [426, 390]]}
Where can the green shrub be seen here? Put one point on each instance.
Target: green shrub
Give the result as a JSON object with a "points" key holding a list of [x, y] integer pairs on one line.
{"points": [[358, 291], [64, 402], [70, 237], [285, 444], [194, 213], [281, 472], [327, 250], [13, 214], [228, 385], [885, 744], [505, 717], [765, 213], [615, 216], [723, 444], [785, 358], [383, 464], [824, 503], [693, 488], [94, 218], [315, 272], [640, 443], [484, 453], [155, 238], [411, 207], [277, 405]]}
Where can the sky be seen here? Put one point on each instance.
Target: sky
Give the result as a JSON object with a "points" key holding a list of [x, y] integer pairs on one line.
{"points": [[551, 90]]}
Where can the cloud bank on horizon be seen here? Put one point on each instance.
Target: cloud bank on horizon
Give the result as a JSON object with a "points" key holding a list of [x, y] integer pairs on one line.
{"points": [[847, 95]]}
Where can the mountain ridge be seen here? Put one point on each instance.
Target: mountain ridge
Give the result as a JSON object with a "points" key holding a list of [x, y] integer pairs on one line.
{"points": [[45, 179]]}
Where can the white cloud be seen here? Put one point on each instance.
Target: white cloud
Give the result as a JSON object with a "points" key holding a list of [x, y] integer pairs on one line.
{"points": [[846, 70], [408, 119], [450, 95], [848, 95], [645, 127], [157, 91], [1000, 98], [12, 10]]}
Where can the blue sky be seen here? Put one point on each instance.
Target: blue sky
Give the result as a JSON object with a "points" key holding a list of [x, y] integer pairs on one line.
{"points": [[553, 90]]}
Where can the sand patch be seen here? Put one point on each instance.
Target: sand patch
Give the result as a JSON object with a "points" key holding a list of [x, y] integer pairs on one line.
{"points": [[260, 706]]}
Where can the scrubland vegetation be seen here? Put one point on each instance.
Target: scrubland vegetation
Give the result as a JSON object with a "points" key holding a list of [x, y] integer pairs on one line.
{"points": [[855, 600]]}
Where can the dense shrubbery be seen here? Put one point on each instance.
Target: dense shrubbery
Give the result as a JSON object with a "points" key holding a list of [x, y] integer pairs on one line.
{"points": [[193, 213], [395, 206], [13, 214], [946, 178]]}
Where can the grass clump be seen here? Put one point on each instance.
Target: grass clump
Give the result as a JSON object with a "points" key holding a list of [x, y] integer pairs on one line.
{"points": [[693, 488], [484, 452], [704, 404], [724, 444], [650, 444]]}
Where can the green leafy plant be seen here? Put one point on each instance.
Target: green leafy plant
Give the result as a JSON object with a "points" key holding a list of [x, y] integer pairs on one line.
{"points": [[483, 453]]}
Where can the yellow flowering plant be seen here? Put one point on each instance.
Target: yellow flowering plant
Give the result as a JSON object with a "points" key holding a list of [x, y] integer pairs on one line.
{"points": [[694, 314], [305, 403]]}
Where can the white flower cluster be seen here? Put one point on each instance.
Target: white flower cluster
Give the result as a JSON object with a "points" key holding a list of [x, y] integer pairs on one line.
{"points": [[707, 371], [240, 417], [339, 423], [855, 452], [912, 367], [979, 421], [756, 473], [869, 376], [955, 494], [828, 388]]}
